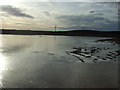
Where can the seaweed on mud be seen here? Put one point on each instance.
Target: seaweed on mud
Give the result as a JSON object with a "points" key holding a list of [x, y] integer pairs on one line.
{"points": [[91, 52], [112, 40]]}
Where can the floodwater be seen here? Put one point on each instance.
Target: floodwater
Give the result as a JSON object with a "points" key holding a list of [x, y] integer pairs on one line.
{"points": [[42, 62]]}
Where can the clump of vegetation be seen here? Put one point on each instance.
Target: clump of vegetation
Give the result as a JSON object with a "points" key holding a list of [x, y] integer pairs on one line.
{"points": [[112, 40]]}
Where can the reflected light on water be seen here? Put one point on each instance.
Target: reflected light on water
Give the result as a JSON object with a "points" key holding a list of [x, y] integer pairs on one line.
{"points": [[2, 62], [2, 57], [2, 67]]}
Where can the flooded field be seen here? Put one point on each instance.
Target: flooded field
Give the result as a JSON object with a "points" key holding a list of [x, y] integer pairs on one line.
{"points": [[57, 62]]}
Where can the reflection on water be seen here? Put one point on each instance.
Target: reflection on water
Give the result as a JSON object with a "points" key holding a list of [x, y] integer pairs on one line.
{"points": [[2, 68], [42, 62], [3, 65], [2, 62]]}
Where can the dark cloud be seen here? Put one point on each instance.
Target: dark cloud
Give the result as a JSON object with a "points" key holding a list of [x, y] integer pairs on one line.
{"points": [[99, 14], [46, 13], [22, 23], [91, 11], [96, 12], [89, 21], [14, 11]]}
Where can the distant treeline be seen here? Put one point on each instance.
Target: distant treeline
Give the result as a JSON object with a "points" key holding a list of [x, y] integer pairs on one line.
{"points": [[65, 33]]}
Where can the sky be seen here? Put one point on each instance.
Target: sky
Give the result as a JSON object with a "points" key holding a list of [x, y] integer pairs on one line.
{"points": [[66, 15]]}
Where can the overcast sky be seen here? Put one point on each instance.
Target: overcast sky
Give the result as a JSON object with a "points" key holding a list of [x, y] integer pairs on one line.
{"points": [[66, 15]]}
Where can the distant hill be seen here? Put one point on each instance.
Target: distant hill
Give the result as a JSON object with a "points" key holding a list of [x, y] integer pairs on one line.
{"points": [[65, 33]]}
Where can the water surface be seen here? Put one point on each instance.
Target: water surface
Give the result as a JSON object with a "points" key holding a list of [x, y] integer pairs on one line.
{"points": [[42, 62]]}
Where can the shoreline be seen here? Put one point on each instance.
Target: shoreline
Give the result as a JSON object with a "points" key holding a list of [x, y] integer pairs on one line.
{"points": [[91, 33]]}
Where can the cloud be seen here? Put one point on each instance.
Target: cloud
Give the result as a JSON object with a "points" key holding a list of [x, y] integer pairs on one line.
{"points": [[46, 13], [14, 11], [70, 0], [22, 23], [77, 19], [88, 21], [71, 28], [95, 12], [92, 11]]}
